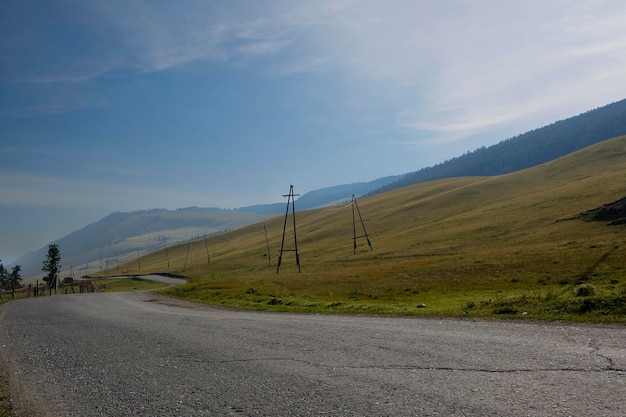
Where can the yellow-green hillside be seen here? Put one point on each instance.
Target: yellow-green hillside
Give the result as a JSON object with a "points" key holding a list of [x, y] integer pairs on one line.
{"points": [[507, 246]]}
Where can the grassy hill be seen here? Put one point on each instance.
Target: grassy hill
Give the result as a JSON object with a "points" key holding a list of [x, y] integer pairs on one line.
{"points": [[119, 236], [513, 245]]}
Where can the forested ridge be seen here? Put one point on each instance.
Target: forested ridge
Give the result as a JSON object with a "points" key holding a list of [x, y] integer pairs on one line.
{"points": [[529, 149]]}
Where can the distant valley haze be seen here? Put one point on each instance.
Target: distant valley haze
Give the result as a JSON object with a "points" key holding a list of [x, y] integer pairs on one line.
{"points": [[114, 106]]}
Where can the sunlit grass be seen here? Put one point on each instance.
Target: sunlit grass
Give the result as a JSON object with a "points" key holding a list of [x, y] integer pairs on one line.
{"points": [[508, 246], [127, 284]]}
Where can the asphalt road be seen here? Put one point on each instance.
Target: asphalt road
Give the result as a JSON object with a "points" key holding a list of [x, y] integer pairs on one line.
{"points": [[137, 354]]}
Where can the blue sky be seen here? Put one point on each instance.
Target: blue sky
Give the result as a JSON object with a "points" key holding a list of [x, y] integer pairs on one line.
{"points": [[125, 105]]}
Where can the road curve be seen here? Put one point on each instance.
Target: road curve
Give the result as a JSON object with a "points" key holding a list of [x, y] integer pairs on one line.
{"points": [[139, 354], [166, 279]]}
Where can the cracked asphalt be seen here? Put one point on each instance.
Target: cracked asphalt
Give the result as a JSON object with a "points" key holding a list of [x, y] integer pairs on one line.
{"points": [[140, 354]]}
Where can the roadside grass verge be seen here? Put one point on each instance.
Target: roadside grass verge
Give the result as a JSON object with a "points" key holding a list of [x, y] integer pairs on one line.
{"points": [[307, 293], [571, 271], [127, 284]]}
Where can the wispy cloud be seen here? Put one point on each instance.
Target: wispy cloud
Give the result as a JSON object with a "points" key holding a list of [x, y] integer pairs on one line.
{"points": [[62, 77], [158, 38], [263, 48], [51, 106], [39, 150], [473, 66], [138, 35], [483, 62]]}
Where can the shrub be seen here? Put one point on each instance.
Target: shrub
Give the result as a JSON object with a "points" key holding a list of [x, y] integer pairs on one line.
{"points": [[585, 290], [274, 301], [586, 306], [505, 310]]}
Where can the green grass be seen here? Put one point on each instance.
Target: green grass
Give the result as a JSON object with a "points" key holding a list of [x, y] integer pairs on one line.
{"points": [[500, 247], [6, 297], [126, 284], [524, 300]]}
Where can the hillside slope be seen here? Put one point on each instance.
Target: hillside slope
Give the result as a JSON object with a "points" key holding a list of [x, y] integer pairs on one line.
{"points": [[518, 234], [121, 236]]}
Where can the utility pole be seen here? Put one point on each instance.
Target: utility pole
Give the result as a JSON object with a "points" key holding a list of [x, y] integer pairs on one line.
{"points": [[267, 243], [290, 198], [365, 235], [167, 255], [189, 252], [206, 245]]}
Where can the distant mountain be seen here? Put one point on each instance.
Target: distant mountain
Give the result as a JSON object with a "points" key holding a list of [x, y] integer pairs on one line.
{"points": [[120, 236], [323, 197], [527, 150]]}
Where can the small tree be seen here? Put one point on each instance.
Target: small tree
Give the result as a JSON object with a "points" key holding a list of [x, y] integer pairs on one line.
{"points": [[52, 265], [4, 276], [10, 281], [15, 279]]}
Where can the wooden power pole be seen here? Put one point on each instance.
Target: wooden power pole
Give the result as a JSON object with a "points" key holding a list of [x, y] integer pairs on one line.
{"points": [[365, 235], [291, 197]]}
